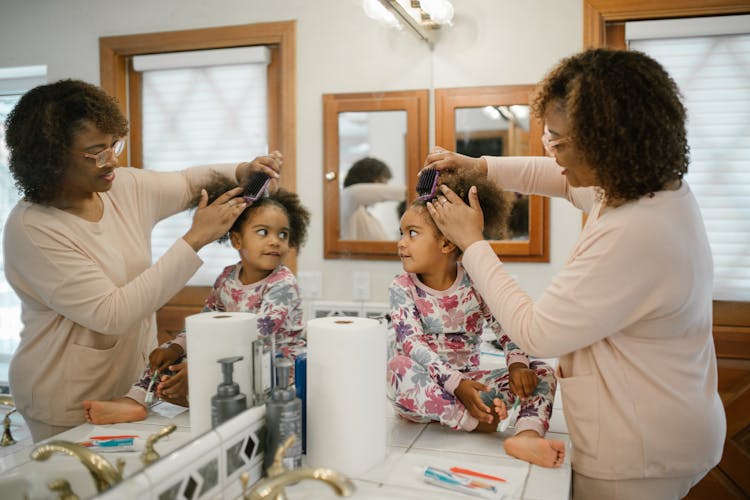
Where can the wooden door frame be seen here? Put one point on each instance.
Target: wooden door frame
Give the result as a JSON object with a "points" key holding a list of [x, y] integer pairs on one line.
{"points": [[603, 26]]}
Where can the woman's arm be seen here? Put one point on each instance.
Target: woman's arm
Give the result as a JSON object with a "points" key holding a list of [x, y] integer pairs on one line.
{"points": [[374, 192]]}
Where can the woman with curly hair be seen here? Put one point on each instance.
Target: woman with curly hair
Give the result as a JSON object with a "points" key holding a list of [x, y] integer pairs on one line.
{"points": [[630, 313], [77, 250], [438, 319], [366, 184]]}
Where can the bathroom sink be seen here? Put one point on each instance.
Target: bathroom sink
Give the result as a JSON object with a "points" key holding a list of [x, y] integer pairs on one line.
{"points": [[25, 484], [29, 481]]}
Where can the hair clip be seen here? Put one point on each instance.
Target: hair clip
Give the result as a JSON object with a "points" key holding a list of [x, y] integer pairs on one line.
{"points": [[257, 187], [427, 184]]}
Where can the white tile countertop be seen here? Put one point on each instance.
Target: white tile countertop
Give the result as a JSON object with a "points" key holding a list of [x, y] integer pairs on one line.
{"points": [[413, 446]]}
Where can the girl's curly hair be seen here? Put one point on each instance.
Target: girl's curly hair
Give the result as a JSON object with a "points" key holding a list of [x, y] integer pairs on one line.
{"points": [[289, 202], [41, 129], [495, 206], [626, 116]]}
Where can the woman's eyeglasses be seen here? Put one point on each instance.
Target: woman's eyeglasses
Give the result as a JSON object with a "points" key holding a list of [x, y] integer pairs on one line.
{"points": [[550, 145], [103, 156]]}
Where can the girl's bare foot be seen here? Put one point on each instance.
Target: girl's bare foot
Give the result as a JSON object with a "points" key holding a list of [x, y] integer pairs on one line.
{"points": [[531, 447], [113, 412]]}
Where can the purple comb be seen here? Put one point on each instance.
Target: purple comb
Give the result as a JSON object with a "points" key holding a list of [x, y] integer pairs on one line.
{"points": [[257, 187], [427, 184]]}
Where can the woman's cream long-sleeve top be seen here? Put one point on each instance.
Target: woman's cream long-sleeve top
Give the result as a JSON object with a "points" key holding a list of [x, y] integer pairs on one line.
{"points": [[630, 317], [89, 292]]}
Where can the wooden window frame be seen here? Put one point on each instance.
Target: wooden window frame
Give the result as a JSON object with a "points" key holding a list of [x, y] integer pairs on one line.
{"points": [[120, 80]]}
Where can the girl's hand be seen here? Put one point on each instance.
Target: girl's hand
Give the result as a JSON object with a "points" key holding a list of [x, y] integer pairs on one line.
{"points": [[270, 164], [161, 357], [460, 223], [210, 222], [175, 387], [468, 393], [523, 380], [442, 159]]}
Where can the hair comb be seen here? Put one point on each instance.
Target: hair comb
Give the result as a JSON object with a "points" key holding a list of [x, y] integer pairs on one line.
{"points": [[257, 187], [427, 184]]}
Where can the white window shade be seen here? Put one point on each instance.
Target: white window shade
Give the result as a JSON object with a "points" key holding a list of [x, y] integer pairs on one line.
{"points": [[202, 115], [713, 74]]}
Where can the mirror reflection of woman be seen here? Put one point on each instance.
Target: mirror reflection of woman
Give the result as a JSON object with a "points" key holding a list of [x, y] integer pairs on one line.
{"points": [[365, 184], [77, 250]]}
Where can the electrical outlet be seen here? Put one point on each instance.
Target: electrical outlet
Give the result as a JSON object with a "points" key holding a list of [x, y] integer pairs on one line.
{"points": [[310, 283], [361, 282]]}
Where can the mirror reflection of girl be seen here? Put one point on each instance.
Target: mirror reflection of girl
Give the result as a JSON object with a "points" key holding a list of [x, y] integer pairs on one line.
{"points": [[438, 319], [259, 283], [365, 184]]}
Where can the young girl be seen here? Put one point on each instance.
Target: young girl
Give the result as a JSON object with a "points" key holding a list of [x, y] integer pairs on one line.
{"points": [[259, 283], [438, 319]]}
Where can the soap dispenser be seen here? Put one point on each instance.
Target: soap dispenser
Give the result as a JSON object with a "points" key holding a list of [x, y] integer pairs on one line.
{"points": [[228, 401], [283, 417]]}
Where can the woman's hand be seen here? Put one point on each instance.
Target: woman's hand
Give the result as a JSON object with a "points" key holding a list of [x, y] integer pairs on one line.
{"points": [[460, 223], [174, 388], [467, 392], [442, 159], [270, 164], [161, 357], [210, 222], [523, 380]]}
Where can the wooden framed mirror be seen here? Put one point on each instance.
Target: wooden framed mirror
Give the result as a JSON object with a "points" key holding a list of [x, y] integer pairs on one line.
{"points": [[374, 145], [495, 121]]}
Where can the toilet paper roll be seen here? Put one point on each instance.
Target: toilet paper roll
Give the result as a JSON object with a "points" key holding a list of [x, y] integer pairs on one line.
{"points": [[210, 337], [346, 393]]}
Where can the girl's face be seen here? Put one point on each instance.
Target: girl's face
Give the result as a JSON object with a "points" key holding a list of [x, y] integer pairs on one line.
{"points": [[263, 241], [575, 167], [82, 177], [421, 249]]}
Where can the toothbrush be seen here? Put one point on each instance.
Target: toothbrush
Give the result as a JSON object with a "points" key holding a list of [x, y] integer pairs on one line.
{"points": [[427, 184], [150, 390], [511, 415], [257, 187]]}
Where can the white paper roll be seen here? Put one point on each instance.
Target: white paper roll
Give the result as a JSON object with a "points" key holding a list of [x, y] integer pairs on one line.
{"points": [[210, 337], [346, 393]]}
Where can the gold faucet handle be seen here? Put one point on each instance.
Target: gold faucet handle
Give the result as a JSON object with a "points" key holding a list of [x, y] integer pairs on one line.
{"points": [[244, 481], [277, 467], [7, 438], [7, 400], [63, 489], [149, 454]]}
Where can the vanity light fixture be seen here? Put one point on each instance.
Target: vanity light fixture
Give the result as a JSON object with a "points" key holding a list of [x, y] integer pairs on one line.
{"points": [[423, 17]]}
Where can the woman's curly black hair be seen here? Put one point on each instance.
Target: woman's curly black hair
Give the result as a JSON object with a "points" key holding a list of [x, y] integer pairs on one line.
{"points": [[627, 119], [299, 216], [495, 206], [367, 169], [41, 129]]}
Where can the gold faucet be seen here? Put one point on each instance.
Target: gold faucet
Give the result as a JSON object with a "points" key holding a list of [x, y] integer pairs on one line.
{"points": [[149, 454], [104, 473], [7, 438], [279, 476]]}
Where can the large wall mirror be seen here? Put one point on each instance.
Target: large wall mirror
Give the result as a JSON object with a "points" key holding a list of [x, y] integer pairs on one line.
{"points": [[496, 121], [374, 145]]}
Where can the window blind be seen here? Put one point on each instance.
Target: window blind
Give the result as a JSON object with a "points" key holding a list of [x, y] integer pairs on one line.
{"points": [[713, 74], [201, 115]]}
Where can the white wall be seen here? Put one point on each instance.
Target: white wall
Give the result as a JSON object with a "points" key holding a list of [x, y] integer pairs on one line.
{"points": [[492, 42]]}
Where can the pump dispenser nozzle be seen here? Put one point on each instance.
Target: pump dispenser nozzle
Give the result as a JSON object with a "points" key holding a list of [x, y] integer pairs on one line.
{"points": [[229, 401]]}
